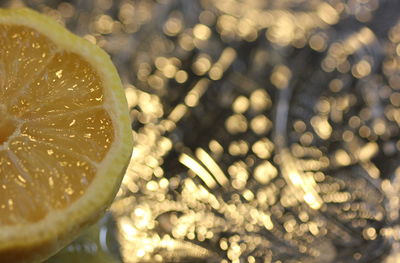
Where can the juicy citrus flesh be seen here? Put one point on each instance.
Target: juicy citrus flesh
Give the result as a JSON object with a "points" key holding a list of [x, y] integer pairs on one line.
{"points": [[53, 133], [65, 135]]}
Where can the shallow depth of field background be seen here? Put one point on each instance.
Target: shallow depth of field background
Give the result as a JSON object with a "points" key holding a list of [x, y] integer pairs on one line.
{"points": [[265, 130]]}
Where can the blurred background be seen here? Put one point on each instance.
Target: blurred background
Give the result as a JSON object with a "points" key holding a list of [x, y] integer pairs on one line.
{"points": [[265, 130]]}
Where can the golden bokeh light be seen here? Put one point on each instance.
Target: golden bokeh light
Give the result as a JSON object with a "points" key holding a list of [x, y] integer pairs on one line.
{"points": [[265, 131]]}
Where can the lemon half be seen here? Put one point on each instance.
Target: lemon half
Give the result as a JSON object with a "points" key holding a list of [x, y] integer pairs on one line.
{"points": [[65, 135]]}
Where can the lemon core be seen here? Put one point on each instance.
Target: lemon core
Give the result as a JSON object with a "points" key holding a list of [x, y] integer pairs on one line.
{"points": [[8, 125]]}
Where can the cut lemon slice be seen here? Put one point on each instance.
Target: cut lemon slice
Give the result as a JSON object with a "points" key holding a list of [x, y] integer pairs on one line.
{"points": [[65, 136]]}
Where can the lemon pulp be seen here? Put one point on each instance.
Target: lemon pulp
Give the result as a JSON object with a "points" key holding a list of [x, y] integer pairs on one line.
{"points": [[52, 134]]}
